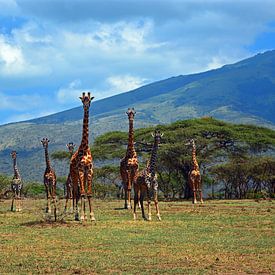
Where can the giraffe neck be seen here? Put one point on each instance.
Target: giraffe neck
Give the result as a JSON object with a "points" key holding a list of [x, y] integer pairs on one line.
{"points": [[85, 131], [130, 148], [48, 164], [16, 171], [194, 159], [153, 160]]}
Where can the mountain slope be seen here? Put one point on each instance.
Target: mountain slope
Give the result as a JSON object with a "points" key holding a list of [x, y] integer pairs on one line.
{"points": [[243, 92]]}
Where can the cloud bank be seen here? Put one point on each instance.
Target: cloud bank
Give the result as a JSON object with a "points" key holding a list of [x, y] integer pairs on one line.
{"points": [[57, 49]]}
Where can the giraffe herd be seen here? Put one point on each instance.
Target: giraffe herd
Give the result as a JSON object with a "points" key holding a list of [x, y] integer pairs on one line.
{"points": [[78, 185]]}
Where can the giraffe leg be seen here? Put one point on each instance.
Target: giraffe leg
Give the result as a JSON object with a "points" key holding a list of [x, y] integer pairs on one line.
{"points": [[125, 197], [149, 205], [82, 211], [55, 209], [136, 199], [20, 203], [92, 215], [71, 201], [129, 198], [75, 203], [75, 190], [200, 194], [17, 203], [48, 207], [139, 205], [66, 194], [82, 193], [194, 196], [194, 192], [128, 193], [157, 204], [66, 204], [12, 203], [142, 205], [89, 192]]}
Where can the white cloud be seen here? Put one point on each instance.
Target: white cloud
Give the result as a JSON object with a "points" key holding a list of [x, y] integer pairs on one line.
{"points": [[20, 102], [8, 7], [64, 48], [11, 58], [124, 83], [70, 93]]}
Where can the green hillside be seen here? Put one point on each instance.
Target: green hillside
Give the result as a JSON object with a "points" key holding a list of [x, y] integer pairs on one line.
{"points": [[241, 93]]}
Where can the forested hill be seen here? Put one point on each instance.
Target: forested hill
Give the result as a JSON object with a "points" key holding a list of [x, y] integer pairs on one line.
{"points": [[243, 92]]}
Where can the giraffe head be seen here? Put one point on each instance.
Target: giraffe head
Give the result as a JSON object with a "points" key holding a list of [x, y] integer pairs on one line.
{"points": [[70, 147], [157, 135], [86, 100], [191, 142], [45, 142], [131, 113], [13, 154]]}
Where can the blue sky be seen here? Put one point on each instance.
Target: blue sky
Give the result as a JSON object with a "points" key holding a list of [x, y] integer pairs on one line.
{"points": [[51, 51]]}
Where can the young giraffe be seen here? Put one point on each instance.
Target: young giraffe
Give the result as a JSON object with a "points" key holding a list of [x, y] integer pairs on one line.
{"points": [[49, 180], [146, 182], [81, 166], [129, 164], [16, 185], [194, 176], [69, 184]]}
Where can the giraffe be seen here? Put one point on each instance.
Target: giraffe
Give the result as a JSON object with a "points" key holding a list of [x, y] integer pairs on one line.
{"points": [[146, 182], [49, 179], [194, 176], [68, 185], [129, 164], [81, 165], [16, 185]]}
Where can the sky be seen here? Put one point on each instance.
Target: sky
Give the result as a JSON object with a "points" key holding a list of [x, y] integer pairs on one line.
{"points": [[53, 50]]}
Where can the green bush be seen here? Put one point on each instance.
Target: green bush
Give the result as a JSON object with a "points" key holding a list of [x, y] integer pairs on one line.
{"points": [[103, 191], [34, 190], [5, 183]]}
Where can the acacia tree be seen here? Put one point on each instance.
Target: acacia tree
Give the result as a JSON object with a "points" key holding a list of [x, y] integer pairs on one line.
{"points": [[5, 182], [221, 148], [242, 177]]}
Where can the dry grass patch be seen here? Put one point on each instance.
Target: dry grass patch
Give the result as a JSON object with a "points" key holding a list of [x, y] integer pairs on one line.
{"points": [[219, 237]]}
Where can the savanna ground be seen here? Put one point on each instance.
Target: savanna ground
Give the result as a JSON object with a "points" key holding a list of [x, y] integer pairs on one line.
{"points": [[219, 237]]}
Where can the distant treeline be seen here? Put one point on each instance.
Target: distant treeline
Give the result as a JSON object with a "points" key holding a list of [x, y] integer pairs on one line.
{"points": [[236, 161]]}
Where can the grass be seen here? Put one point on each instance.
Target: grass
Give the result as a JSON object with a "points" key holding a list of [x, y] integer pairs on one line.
{"points": [[219, 237]]}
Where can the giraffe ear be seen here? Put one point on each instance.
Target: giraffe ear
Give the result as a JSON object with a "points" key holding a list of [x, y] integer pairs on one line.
{"points": [[153, 135], [92, 97]]}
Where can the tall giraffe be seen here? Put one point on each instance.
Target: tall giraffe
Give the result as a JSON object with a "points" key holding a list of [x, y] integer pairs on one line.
{"points": [[69, 184], [146, 182], [81, 166], [194, 176], [129, 164], [49, 179], [16, 185]]}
